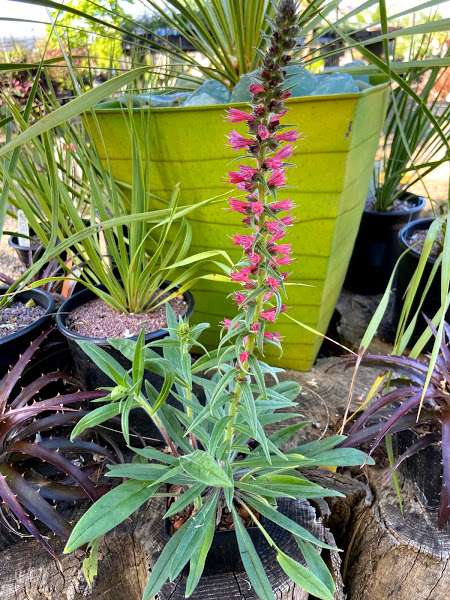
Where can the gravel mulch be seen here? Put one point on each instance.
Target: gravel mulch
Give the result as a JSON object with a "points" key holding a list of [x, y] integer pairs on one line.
{"points": [[18, 315], [97, 319]]}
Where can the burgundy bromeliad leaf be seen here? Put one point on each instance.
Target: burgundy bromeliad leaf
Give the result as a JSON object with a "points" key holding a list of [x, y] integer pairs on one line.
{"points": [[396, 408]]}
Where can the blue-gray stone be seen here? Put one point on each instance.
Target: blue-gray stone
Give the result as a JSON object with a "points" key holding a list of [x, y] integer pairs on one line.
{"points": [[209, 92]]}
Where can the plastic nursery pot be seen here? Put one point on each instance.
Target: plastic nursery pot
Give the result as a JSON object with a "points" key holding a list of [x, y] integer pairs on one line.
{"points": [[92, 377], [377, 246], [26, 255], [333, 160], [12, 345], [223, 555], [406, 269], [423, 469]]}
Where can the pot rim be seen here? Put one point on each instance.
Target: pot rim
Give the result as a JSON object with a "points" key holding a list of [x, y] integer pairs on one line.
{"points": [[420, 204], [48, 302], [63, 312], [13, 243], [221, 107], [416, 224]]}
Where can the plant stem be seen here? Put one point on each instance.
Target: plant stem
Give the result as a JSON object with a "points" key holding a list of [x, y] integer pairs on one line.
{"points": [[157, 422]]}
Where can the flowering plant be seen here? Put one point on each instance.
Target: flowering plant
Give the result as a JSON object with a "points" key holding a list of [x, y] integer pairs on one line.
{"points": [[221, 464]]}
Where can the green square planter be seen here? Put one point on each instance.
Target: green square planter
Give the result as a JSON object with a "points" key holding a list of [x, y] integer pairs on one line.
{"points": [[329, 184]]}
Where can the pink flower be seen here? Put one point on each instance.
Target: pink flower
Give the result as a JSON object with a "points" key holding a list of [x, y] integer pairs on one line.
{"points": [[238, 141], [285, 95], [274, 227], [226, 323], [281, 205], [273, 283], [288, 220], [245, 173], [277, 159], [281, 249], [269, 315], [283, 260], [256, 88], [238, 205], [254, 259], [278, 235], [236, 116], [273, 336], [254, 327], [275, 119], [242, 275], [239, 298], [263, 132], [277, 179], [257, 208], [243, 357], [246, 241], [287, 136]]}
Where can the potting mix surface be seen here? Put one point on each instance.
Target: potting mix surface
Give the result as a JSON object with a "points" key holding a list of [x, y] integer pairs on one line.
{"points": [[97, 319], [18, 315]]}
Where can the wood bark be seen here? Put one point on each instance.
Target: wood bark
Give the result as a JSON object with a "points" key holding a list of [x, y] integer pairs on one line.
{"points": [[127, 555], [397, 557]]}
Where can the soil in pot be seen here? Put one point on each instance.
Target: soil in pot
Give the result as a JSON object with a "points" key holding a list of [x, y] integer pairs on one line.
{"points": [[412, 237], [18, 315], [377, 245], [97, 319], [21, 321]]}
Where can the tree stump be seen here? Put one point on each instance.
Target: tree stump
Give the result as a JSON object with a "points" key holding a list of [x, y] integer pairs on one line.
{"points": [[127, 555], [394, 556], [234, 585]]}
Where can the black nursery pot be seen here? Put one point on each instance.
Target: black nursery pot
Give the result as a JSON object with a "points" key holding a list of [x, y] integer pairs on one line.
{"points": [[406, 269], [11, 346], [89, 374], [26, 255], [377, 247], [223, 555]]}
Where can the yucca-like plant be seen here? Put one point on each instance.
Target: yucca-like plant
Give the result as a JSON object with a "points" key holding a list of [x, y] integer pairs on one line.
{"points": [[39, 466], [111, 239], [412, 147]]}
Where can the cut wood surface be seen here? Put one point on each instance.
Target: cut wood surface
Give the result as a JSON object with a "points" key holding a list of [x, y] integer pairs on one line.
{"points": [[393, 556]]}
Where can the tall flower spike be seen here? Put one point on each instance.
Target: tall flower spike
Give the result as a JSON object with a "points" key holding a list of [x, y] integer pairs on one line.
{"points": [[258, 273], [262, 175]]}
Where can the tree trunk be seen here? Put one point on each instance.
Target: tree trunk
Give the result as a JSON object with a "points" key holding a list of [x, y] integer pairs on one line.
{"points": [[397, 557]]}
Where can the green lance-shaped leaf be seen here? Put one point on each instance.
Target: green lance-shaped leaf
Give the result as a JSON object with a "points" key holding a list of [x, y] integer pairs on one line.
{"points": [[109, 511], [202, 467], [251, 561], [285, 522], [105, 362], [303, 577], [96, 417]]}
